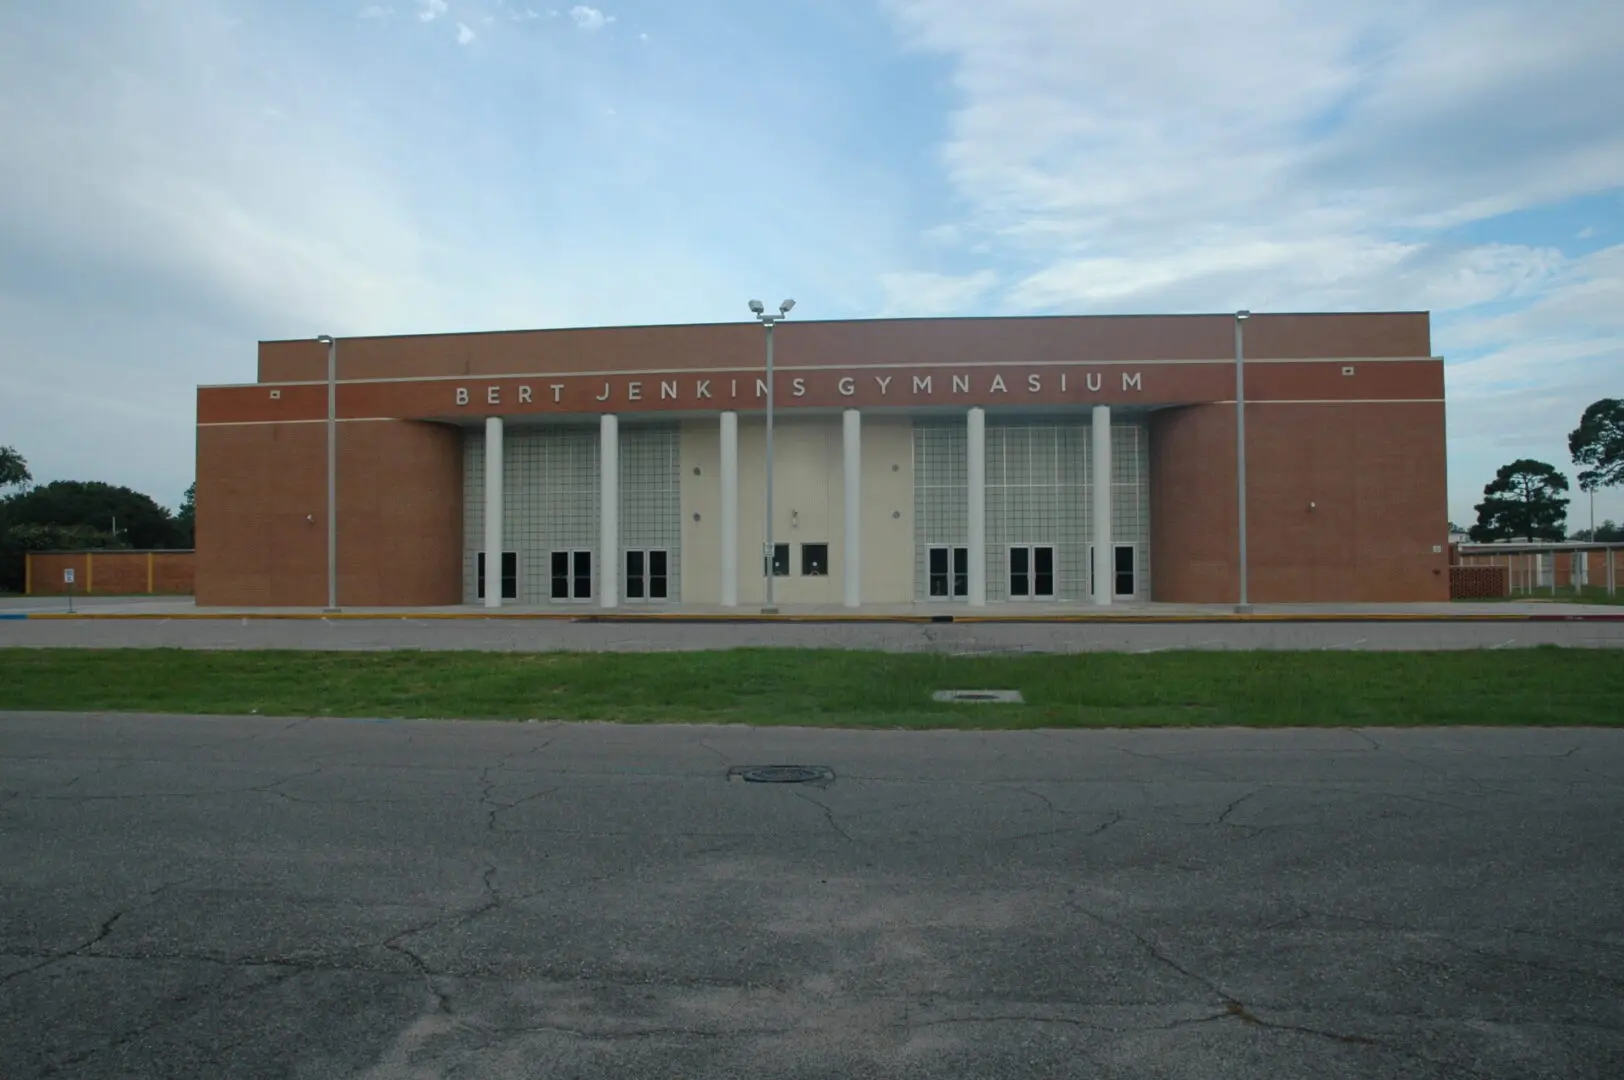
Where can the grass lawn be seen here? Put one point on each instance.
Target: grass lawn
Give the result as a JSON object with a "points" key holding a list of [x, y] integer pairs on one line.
{"points": [[1545, 686]]}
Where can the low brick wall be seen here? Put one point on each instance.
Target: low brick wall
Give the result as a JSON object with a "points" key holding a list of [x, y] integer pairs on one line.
{"points": [[1477, 582], [111, 573], [1523, 570]]}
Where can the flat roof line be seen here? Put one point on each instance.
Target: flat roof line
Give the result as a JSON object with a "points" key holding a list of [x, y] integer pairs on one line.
{"points": [[833, 322]]}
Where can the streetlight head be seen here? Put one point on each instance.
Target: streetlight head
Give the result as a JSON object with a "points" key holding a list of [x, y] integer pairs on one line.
{"points": [[784, 308], [1243, 315], [325, 339], [757, 306]]}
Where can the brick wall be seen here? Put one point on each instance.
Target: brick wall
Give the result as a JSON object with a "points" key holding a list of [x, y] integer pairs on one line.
{"points": [[1522, 568], [1478, 582], [262, 514], [111, 573], [1345, 503]]}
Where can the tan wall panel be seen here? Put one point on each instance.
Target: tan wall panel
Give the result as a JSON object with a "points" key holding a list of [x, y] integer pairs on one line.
{"points": [[809, 506], [701, 448], [888, 542]]}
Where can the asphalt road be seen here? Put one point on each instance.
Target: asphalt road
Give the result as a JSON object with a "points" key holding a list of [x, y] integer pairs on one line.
{"points": [[195, 897], [527, 635]]}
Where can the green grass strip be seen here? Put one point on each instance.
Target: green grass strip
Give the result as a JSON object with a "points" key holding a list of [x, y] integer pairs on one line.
{"points": [[832, 688]]}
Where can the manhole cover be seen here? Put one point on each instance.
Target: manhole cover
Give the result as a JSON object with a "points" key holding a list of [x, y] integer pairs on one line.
{"points": [[781, 774], [1007, 697]]}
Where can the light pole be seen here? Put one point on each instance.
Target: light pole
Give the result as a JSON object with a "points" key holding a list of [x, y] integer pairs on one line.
{"points": [[332, 469], [768, 321], [1244, 606]]}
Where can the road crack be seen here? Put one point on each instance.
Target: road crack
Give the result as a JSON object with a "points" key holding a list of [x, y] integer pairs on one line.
{"points": [[828, 815]]}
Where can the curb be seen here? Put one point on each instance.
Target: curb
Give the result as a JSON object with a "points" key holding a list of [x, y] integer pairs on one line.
{"points": [[756, 619]]}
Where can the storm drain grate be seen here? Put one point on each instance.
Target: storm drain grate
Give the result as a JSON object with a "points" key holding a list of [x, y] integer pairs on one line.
{"points": [[781, 774], [1003, 697]]}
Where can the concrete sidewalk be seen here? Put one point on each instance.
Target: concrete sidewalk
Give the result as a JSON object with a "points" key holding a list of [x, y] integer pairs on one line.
{"points": [[56, 607]]}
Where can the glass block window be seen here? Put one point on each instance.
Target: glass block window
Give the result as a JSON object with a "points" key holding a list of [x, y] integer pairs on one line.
{"points": [[941, 494], [1130, 497], [550, 495], [651, 507], [1039, 498], [1037, 508]]}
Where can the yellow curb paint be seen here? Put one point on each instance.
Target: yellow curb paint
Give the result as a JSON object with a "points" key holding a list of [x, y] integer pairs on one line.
{"points": [[680, 618]]}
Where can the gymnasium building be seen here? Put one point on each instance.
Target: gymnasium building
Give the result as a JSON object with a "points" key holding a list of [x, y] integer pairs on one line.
{"points": [[978, 462]]}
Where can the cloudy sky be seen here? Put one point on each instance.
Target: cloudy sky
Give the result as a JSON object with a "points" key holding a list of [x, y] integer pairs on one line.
{"points": [[181, 178]]}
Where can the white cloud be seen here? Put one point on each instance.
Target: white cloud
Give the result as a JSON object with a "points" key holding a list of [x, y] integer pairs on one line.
{"points": [[1586, 233], [431, 10], [376, 11], [589, 18], [158, 222], [464, 34], [1180, 155]]}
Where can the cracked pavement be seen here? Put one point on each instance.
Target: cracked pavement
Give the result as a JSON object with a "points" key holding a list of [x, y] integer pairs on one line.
{"points": [[225, 897]]}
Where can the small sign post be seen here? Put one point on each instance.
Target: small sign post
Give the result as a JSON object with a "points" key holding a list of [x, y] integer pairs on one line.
{"points": [[67, 579]]}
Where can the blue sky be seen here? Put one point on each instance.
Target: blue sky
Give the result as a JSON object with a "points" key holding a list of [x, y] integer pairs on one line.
{"points": [[181, 178]]}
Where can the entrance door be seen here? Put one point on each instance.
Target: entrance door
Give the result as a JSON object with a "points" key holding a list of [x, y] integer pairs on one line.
{"points": [[947, 572], [1124, 585], [1124, 570], [1031, 572], [571, 575], [646, 575], [510, 575]]}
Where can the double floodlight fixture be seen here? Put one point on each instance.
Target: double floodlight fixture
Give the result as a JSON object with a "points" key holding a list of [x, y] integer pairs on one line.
{"points": [[760, 309]]}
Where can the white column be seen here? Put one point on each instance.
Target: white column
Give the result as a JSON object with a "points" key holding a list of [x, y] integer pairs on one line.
{"points": [[493, 511], [1100, 480], [609, 510], [851, 430], [976, 478], [730, 509]]}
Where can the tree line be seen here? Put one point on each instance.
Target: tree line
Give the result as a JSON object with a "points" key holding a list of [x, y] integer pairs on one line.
{"points": [[73, 515], [1526, 500]]}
